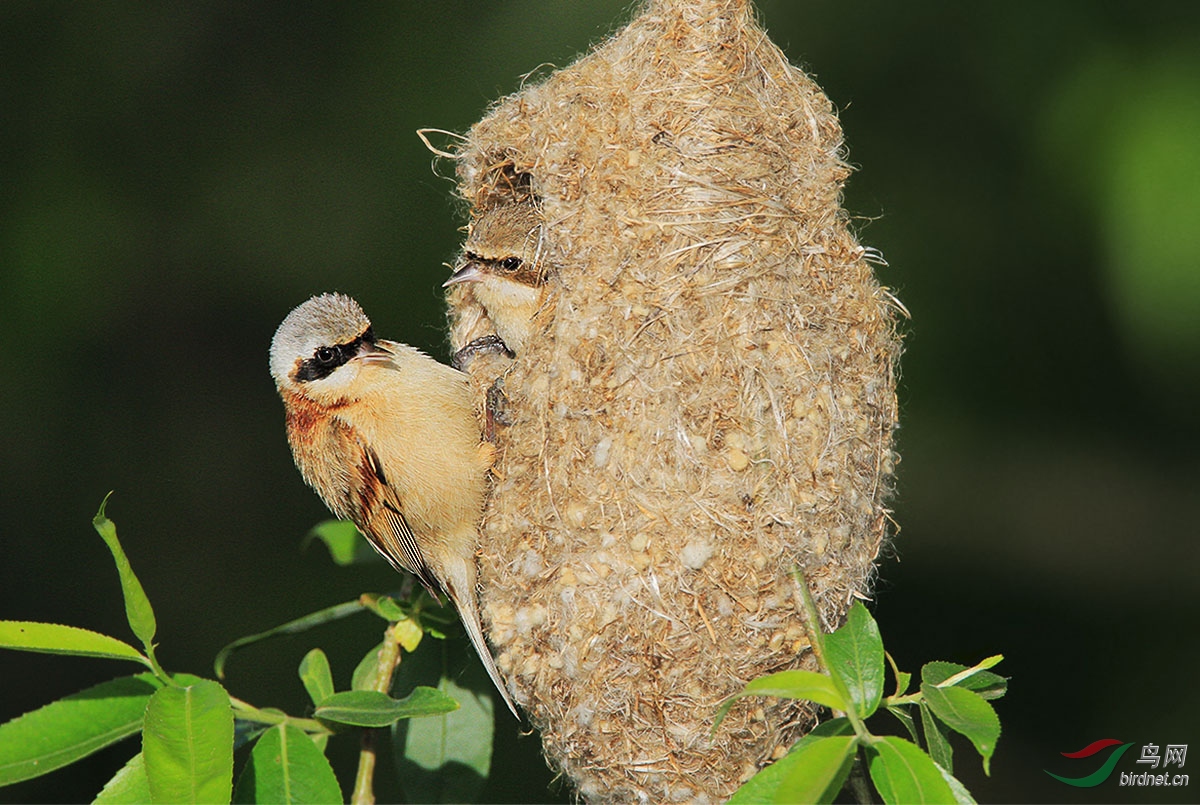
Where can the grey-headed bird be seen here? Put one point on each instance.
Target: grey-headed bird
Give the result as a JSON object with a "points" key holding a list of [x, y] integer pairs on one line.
{"points": [[387, 437]]}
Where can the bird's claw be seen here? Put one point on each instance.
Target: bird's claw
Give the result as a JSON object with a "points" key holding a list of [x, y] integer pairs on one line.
{"points": [[487, 344]]}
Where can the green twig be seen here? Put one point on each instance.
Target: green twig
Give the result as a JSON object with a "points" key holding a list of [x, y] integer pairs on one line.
{"points": [[899, 701], [385, 667], [248, 712], [812, 618], [155, 667], [816, 637]]}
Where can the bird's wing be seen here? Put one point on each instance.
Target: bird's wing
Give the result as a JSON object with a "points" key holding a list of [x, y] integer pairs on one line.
{"points": [[380, 516]]}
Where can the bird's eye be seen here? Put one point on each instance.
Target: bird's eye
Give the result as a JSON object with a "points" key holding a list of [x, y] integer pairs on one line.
{"points": [[510, 263], [325, 355]]}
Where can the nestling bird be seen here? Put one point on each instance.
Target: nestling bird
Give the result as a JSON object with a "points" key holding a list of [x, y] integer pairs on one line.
{"points": [[503, 258], [387, 437]]}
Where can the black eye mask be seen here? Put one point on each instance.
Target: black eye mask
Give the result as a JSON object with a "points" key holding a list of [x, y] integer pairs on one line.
{"points": [[327, 359]]}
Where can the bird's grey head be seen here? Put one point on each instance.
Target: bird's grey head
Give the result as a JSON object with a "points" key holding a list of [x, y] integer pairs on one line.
{"points": [[318, 337]]}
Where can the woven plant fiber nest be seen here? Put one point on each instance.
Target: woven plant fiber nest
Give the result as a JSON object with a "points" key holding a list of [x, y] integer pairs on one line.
{"points": [[706, 399]]}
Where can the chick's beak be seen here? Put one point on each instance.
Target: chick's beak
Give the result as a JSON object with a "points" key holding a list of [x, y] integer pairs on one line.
{"points": [[369, 352], [471, 272]]}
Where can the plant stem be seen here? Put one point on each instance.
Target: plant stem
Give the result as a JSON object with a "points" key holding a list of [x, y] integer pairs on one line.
{"points": [[900, 701], [812, 618], [812, 625], [858, 780], [385, 667], [364, 780], [248, 712], [154, 666]]}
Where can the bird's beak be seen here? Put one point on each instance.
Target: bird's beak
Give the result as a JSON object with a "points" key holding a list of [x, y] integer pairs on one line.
{"points": [[373, 353], [470, 272]]}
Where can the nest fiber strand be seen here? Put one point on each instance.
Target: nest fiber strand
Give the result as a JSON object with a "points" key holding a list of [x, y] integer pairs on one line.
{"points": [[707, 400]]}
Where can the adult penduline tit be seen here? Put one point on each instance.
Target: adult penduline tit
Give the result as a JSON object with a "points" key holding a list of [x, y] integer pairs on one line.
{"points": [[387, 437], [502, 260]]}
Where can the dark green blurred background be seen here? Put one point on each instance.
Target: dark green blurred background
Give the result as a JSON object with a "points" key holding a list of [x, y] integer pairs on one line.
{"points": [[175, 177]]}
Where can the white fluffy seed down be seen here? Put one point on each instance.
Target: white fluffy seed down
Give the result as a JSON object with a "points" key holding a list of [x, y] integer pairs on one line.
{"points": [[705, 401]]}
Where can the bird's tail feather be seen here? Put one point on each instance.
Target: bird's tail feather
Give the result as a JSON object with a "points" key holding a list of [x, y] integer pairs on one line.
{"points": [[461, 589]]}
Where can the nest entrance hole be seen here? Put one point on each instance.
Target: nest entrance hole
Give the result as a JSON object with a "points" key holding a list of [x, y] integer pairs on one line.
{"points": [[504, 183]]}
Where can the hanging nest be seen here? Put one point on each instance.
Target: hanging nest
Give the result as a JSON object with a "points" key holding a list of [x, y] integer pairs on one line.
{"points": [[705, 399]]}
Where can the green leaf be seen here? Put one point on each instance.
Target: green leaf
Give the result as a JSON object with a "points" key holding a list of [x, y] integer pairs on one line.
{"points": [[408, 633], [316, 676], [988, 685], [938, 671], [64, 731], [54, 638], [129, 786], [902, 773], [855, 654], [985, 683], [447, 757], [961, 795], [437, 618], [826, 729], [369, 708], [188, 743], [384, 606], [366, 673], [797, 684], [286, 766], [137, 606], [346, 545], [817, 770], [765, 786], [247, 732], [904, 717], [937, 740], [966, 712], [303, 624]]}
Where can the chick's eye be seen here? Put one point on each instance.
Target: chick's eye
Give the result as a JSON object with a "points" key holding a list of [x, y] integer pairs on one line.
{"points": [[325, 355], [510, 263]]}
